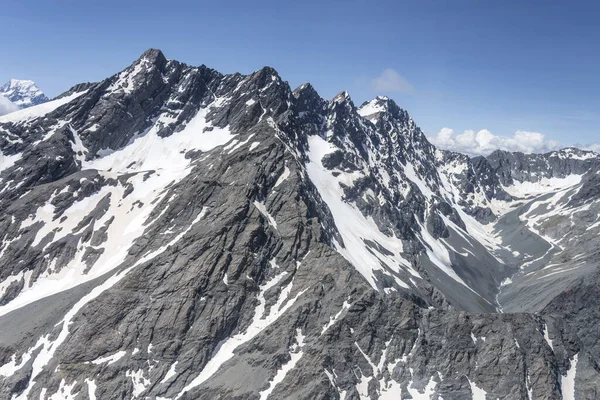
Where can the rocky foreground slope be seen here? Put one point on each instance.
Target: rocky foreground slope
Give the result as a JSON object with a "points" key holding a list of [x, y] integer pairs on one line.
{"points": [[176, 233]]}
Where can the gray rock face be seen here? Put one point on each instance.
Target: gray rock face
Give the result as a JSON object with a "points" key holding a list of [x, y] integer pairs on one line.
{"points": [[173, 232]]}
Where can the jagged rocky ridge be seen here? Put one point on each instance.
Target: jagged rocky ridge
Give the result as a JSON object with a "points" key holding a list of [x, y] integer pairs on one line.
{"points": [[172, 232]]}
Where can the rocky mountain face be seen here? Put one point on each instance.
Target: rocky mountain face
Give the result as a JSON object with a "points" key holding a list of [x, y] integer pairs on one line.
{"points": [[176, 233], [23, 93]]}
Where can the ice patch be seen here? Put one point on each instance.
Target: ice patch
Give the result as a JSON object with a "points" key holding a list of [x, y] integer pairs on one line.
{"points": [[373, 107], [506, 281], [253, 145], [7, 161], [428, 392], [152, 152], [440, 257], [11, 367], [332, 379], [411, 174], [333, 319], [65, 391]]}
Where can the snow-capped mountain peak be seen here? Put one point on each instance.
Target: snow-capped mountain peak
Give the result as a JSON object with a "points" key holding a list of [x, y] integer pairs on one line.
{"points": [[375, 106], [171, 226], [23, 93], [342, 97]]}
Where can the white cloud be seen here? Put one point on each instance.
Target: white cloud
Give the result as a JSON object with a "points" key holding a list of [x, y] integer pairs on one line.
{"points": [[484, 142], [7, 106], [391, 81]]}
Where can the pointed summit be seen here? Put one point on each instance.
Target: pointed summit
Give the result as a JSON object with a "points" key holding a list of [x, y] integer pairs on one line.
{"points": [[308, 98], [265, 76], [154, 56], [342, 97], [149, 58], [375, 106], [342, 101], [382, 104], [304, 88]]}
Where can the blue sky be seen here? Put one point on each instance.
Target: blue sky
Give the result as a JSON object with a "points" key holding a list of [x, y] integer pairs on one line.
{"points": [[501, 66]]}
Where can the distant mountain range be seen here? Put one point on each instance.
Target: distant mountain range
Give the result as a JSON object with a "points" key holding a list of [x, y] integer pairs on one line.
{"points": [[22, 93]]}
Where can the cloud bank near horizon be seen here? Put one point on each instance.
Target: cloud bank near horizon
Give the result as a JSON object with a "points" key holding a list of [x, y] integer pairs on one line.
{"points": [[484, 142]]}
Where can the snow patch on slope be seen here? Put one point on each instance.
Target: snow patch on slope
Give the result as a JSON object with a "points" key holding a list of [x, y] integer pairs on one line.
{"points": [[352, 225], [567, 382], [153, 152], [545, 185], [477, 392], [129, 223]]}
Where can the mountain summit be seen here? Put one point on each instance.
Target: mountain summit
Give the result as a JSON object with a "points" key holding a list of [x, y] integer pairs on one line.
{"points": [[173, 232], [23, 93]]}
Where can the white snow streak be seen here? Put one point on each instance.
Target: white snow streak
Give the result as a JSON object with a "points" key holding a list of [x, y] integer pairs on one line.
{"points": [[263, 210], [225, 350], [284, 175], [547, 337], [91, 388], [170, 373], [333, 319], [295, 355], [567, 382], [110, 359]]}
